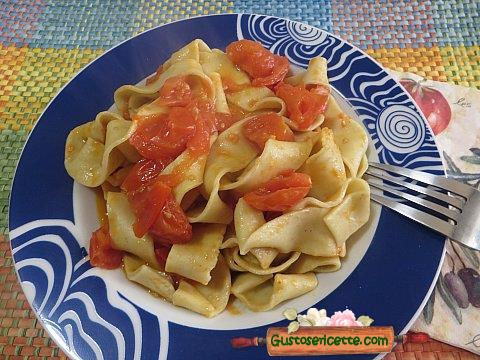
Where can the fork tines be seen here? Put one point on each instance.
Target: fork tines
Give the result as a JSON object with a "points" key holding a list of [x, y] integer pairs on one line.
{"points": [[452, 199]]}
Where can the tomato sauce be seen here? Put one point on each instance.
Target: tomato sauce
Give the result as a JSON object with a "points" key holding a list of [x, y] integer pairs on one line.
{"points": [[265, 68], [187, 128], [101, 206], [101, 252], [281, 192], [262, 127], [303, 106]]}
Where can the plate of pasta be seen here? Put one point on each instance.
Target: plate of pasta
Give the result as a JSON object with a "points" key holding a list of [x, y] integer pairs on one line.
{"points": [[198, 179]]}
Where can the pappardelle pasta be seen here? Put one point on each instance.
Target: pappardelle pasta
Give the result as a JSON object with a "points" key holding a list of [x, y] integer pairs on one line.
{"points": [[224, 175]]}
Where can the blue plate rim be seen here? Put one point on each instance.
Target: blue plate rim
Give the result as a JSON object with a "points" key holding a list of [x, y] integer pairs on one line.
{"points": [[62, 344]]}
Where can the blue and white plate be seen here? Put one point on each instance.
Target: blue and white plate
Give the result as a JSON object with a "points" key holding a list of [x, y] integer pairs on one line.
{"points": [[93, 313]]}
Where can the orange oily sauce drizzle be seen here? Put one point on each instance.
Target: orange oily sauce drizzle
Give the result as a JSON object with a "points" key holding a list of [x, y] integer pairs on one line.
{"points": [[101, 206], [231, 307], [230, 86], [178, 173], [236, 112]]}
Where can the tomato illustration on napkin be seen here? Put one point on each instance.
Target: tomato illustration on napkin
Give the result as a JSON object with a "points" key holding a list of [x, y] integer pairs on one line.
{"points": [[432, 103]]}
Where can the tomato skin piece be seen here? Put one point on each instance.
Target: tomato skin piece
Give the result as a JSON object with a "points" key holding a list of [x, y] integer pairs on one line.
{"points": [[171, 225], [319, 89], [281, 192], [204, 111], [203, 114], [155, 208], [231, 86], [262, 127], [303, 106], [280, 200], [251, 57], [286, 179], [147, 204], [165, 136], [142, 173], [224, 121], [199, 142], [161, 253], [175, 92], [280, 70], [162, 136], [265, 68], [101, 253]]}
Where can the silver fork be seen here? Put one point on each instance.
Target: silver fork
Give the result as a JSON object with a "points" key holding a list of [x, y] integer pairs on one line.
{"points": [[461, 205]]}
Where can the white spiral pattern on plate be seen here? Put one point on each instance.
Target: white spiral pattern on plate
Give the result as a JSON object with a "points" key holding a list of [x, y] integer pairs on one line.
{"points": [[400, 129], [304, 34], [299, 42]]}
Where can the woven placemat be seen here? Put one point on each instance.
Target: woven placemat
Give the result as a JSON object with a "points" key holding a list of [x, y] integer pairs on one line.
{"points": [[44, 43]]}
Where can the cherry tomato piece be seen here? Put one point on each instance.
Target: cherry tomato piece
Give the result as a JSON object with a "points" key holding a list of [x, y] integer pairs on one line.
{"points": [[303, 106], [267, 126], [147, 204], [175, 92], [199, 142], [142, 173], [161, 253], [281, 192], [171, 225], [280, 70], [319, 89], [263, 67], [224, 121], [101, 253], [162, 136]]}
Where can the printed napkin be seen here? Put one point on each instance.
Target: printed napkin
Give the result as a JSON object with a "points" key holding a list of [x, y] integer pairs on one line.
{"points": [[452, 313]]}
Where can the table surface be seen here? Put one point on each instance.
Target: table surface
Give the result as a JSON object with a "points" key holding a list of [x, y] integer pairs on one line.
{"points": [[44, 43]]}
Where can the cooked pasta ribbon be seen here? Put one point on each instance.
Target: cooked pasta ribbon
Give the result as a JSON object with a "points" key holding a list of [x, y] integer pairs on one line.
{"points": [[231, 152], [262, 258], [352, 213], [327, 171], [193, 175], [121, 219], [196, 259], [316, 74], [277, 156], [157, 281], [303, 230], [192, 51], [96, 149], [209, 299], [352, 141], [252, 265], [216, 61], [306, 263], [257, 99], [247, 220], [264, 292], [129, 98]]}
